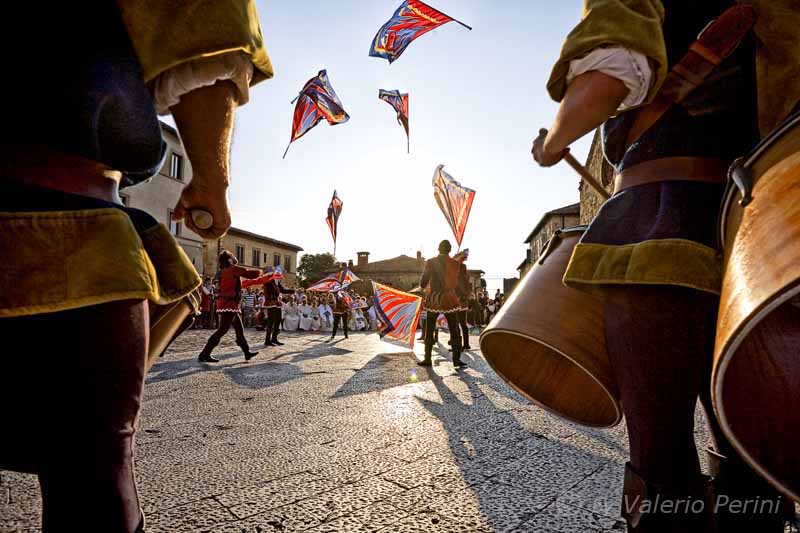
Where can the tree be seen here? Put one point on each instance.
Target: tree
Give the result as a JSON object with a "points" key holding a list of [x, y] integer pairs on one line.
{"points": [[314, 267]]}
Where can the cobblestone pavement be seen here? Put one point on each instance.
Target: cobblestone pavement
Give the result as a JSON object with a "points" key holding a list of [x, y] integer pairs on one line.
{"points": [[352, 436]]}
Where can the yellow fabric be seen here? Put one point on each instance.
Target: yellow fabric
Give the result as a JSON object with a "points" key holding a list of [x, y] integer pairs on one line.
{"points": [[166, 33], [54, 261], [777, 59], [655, 262], [633, 24]]}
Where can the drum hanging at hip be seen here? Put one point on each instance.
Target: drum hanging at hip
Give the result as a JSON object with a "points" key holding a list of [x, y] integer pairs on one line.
{"points": [[169, 321], [756, 376], [548, 341]]}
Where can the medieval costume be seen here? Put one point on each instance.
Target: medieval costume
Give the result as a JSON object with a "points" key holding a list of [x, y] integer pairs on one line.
{"points": [[440, 282], [273, 288], [77, 263], [229, 302], [651, 251], [463, 295], [341, 312]]}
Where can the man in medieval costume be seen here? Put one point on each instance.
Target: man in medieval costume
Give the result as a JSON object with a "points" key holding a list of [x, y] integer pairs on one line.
{"points": [[80, 122], [440, 283], [272, 290], [651, 252]]}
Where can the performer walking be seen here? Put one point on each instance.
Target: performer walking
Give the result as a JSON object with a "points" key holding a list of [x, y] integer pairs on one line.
{"points": [[440, 281], [650, 251], [340, 313], [273, 288], [464, 297], [229, 303]]}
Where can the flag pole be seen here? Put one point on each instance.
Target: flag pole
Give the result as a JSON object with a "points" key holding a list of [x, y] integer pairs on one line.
{"points": [[287, 150], [448, 16], [295, 98], [408, 133]]}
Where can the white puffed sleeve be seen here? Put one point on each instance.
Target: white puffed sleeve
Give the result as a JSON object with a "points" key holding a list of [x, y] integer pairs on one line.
{"points": [[186, 77], [628, 66]]}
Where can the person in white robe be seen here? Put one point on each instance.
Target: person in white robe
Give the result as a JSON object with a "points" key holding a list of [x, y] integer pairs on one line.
{"points": [[305, 316], [325, 316], [315, 320], [291, 317], [372, 317]]}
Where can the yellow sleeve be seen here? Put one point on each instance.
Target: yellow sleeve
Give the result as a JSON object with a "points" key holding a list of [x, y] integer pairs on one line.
{"points": [[632, 24], [166, 33]]}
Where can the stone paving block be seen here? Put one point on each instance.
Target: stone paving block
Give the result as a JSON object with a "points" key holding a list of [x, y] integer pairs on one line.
{"points": [[351, 497], [271, 495], [196, 515], [379, 515], [434, 523], [600, 493], [287, 519], [563, 518]]}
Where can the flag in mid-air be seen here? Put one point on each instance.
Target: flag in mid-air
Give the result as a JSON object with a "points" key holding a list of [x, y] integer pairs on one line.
{"points": [[316, 101], [334, 211], [398, 314], [454, 200], [334, 282], [269, 274], [400, 104], [411, 20]]}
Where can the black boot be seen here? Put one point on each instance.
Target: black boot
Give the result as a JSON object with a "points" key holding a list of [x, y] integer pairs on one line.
{"points": [[275, 341], [205, 357], [247, 353], [268, 337], [742, 500], [648, 508], [426, 361]]}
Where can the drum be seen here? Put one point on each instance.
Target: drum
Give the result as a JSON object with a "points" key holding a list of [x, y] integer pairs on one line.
{"points": [[756, 375], [548, 341], [169, 321]]}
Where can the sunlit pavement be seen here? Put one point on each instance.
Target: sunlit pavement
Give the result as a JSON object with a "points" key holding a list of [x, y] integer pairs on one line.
{"points": [[351, 435]]}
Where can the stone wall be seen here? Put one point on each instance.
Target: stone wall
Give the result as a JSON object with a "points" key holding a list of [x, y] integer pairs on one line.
{"points": [[604, 172]]}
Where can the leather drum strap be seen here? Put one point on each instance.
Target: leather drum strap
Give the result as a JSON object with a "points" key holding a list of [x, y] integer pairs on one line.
{"points": [[703, 169]]}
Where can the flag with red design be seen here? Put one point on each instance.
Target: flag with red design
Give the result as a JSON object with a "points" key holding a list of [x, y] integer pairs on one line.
{"points": [[315, 102], [454, 200], [398, 313]]}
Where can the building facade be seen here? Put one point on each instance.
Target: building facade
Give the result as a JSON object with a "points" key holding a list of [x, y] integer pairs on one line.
{"points": [[563, 217], [255, 251], [159, 195], [401, 272]]}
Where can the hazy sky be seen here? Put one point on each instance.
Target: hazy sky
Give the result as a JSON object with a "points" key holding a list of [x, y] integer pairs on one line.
{"points": [[477, 99]]}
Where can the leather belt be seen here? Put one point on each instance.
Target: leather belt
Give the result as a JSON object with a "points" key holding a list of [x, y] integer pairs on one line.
{"points": [[42, 167], [704, 169]]}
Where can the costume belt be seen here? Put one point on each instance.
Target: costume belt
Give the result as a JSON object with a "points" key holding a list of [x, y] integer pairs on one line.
{"points": [[40, 166], [704, 169]]}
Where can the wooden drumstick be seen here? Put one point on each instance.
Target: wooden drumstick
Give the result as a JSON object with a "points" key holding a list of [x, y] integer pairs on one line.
{"points": [[202, 218], [586, 175]]}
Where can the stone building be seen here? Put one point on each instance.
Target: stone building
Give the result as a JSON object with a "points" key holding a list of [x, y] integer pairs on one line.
{"points": [[604, 172], [160, 193], [563, 217], [402, 272], [253, 250]]}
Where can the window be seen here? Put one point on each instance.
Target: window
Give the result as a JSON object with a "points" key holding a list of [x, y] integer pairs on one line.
{"points": [[174, 225], [176, 166], [265, 258], [287, 263], [256, 257], [240, 253], [276, 260]]}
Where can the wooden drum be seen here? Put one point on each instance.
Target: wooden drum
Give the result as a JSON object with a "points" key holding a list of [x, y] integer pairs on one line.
{"points": [[756, 379], [548, 342], [169, 321]]}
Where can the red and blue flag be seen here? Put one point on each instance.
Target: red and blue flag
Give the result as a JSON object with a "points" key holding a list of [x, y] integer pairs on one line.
{"points": [[398, 314], [315, 102], [334, 282], [400, 104], [411, 20], [332, 220]]}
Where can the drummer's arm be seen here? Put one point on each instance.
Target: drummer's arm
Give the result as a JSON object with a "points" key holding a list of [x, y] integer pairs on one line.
{"points": [[591, 98]]}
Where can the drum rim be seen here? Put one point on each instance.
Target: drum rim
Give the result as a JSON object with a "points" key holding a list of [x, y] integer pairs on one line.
{"points": [[719, 372], [748, 162], [614, 401]]}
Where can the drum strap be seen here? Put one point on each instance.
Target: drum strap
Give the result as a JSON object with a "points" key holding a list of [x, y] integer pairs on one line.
{"points": [[715, 43], [703, 169]]}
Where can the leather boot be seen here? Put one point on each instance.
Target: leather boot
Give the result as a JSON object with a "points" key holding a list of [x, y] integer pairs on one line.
{"points": [[648, 508], [742, 500]]}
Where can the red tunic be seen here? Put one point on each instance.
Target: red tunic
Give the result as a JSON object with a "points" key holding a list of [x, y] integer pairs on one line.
{"points": [[229, 298]]}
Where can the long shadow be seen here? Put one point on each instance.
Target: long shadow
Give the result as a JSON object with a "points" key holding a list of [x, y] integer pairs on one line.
{"points": [[169, 370], [384, 371], [482, 440]]}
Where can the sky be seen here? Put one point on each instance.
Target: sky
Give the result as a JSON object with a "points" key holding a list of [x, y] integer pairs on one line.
{"points": [[477, 100]]}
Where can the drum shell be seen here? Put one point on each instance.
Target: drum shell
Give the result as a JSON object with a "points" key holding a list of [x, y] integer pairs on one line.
{"points": [[756, 375], [169, 321], [548, 342]]}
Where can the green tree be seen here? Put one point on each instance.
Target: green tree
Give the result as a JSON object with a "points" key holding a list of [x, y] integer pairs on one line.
{"points": [[314, 267]]}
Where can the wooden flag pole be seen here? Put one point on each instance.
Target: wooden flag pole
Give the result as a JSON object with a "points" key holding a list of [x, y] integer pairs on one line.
{"points": [[287, 150], [448, 16], [586, 175]]}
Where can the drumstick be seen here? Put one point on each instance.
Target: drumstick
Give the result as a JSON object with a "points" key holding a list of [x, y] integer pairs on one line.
{"points": [[202, 218], [586, 175]]}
